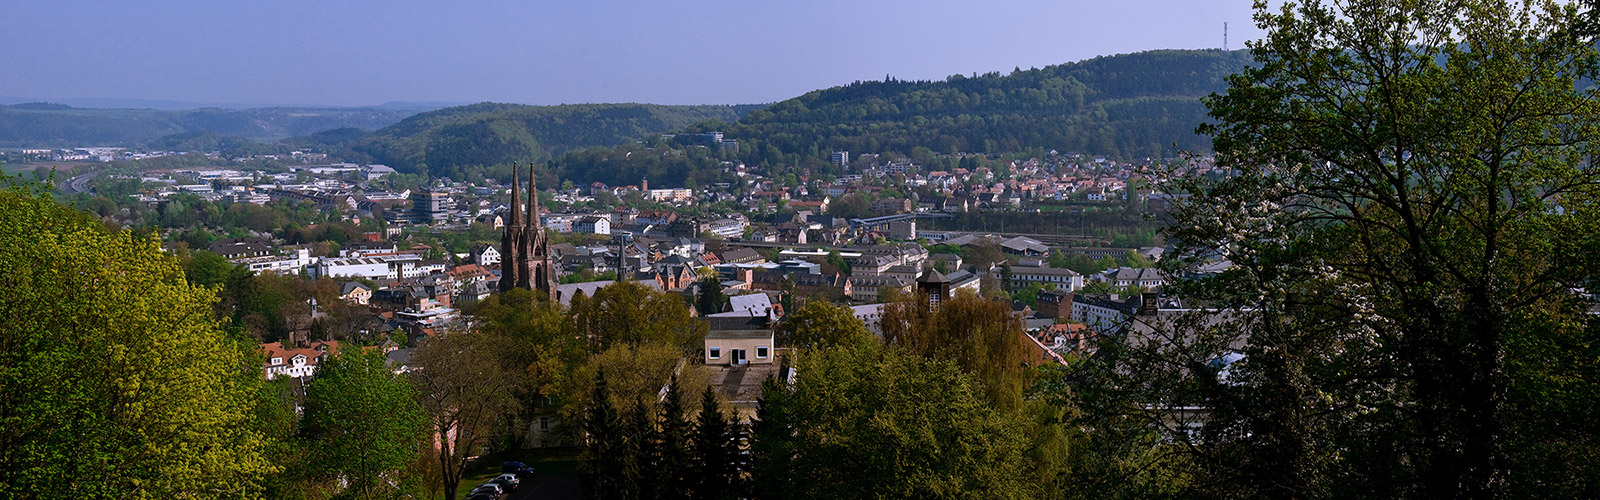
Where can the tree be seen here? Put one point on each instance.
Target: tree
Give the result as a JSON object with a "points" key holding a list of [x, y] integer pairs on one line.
{"points": [[465, 393], [209, 269], [710, 298], [1412, 205], [823, 324], [115, 378], [877, 419], [980, 335], [714, 450], [604, 464], [362, 421], [629, 313], [674, 471]]}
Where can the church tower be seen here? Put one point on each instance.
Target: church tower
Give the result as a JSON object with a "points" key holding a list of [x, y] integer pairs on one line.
{"points": [[525, 248]]}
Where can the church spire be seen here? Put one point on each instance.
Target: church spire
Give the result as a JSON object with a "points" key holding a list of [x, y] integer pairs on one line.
{"points": [[516, 199], [533, 200]]}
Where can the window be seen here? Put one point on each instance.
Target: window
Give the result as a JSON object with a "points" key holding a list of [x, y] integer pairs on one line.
{"points": [[544, 423], [715, 353], [277, 361], [761, 352]]}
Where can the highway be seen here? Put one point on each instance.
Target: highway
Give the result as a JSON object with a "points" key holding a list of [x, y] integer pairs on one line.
{"points": [[78, 184]]}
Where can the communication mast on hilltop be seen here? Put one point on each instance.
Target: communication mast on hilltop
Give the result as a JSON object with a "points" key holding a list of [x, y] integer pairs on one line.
{"points": [[1224, 36]]}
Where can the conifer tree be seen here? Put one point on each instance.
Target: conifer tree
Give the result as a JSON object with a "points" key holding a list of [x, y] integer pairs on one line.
{"points": [[636, 463], [772, 442], [600, 424], [674, 464], [714, 450]]}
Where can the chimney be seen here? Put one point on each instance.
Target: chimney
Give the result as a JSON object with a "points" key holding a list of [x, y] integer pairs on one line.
{"points": [[1147, 304], [1064, 310]]}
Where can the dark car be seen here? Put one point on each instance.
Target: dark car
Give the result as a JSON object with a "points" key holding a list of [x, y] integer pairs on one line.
{"points": [[511, 467], [525, 472]]}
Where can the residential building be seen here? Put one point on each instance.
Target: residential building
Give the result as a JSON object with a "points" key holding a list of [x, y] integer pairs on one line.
{"points": [[739, 347]]}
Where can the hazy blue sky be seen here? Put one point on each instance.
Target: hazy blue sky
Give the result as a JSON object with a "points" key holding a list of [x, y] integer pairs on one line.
{"points": [[347, 52]]}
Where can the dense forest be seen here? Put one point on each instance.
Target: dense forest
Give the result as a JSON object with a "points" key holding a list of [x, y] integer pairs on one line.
{"points": [[1125, 106], [1128, 106], [444, 140], [53, 125]]}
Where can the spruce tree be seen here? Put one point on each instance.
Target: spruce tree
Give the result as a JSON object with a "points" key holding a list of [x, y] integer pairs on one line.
{"points": [[713, 450], [772, 442], [674, 464], [636, 462], [600, 424]]}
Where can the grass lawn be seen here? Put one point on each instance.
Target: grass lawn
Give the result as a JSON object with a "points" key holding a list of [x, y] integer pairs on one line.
{"points": [[549, 462]]}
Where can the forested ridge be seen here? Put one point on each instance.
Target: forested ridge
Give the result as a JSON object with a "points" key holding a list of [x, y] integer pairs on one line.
{"points": [[40, 125], [1127, 106], [493, 133], [1142, 104]]}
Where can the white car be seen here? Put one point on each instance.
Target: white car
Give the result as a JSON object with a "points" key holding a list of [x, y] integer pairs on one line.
{"points": [[490, 488]]}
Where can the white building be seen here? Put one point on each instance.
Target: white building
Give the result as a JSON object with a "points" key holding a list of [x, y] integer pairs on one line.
{"points": [[282, 264], [1064, 279], [592, 225], [485, 254], [353, 267]]}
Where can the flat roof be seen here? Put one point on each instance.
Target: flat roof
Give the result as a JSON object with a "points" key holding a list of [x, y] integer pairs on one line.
{"points": [[738, 334]]}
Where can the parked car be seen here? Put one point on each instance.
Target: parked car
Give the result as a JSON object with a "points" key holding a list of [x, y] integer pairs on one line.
{"points": [[483, 496], [524, 473], [511, 467], [509, 481], [488, 488]]}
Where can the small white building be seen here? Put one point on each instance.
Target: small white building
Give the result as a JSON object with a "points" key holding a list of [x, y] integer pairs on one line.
{"points": [[592, 225], [485, 254]]}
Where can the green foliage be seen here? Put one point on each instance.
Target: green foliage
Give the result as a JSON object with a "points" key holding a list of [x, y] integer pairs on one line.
{"points": [[673, 476], [889, 423], [115, 380], [630, 313], [1411, 208], [714, 451], [710, 299], [980, 335], [441, 142], [467, 393], [361, 421], [822, 324], [1132, 105]]}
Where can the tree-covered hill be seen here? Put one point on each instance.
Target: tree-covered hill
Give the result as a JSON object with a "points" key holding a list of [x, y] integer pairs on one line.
{"points": [[1127, 107], [492, 133], [53, 125], [1131, 105]]}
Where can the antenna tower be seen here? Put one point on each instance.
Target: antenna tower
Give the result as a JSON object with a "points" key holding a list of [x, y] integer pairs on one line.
{"points": [[1224, 36]]}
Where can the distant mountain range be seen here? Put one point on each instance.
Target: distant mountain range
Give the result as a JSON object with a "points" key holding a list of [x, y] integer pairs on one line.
{"points": [[58, 125], [1125, 106]]}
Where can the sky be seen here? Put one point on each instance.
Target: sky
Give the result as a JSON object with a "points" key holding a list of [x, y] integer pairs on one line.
{"points": [[368, 52]]}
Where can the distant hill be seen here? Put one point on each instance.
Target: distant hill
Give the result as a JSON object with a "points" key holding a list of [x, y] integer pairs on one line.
{"points": [[1127, 106], [493, 133], [54, 125]]}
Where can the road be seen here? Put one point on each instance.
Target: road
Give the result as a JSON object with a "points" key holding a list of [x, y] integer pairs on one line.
{"points": [[78, 184], [549, 488]]}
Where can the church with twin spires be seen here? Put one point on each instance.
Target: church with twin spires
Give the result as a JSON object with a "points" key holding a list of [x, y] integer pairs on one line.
{"points": [[525, 249]]}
